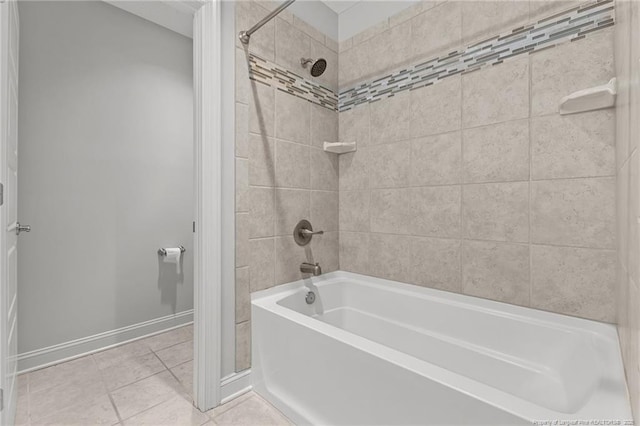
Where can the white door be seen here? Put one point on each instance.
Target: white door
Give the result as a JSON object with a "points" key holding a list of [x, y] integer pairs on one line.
{"points": [[8, 211]]}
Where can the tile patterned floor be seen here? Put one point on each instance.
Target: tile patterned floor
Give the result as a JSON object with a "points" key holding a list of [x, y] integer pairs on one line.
{"points": [[146, 382]]}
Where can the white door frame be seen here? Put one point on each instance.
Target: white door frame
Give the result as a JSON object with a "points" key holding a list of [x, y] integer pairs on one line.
{"points": [[202, 19], [207, 60]]}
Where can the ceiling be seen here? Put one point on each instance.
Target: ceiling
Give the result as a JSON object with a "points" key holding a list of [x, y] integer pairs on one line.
{"points": [[340, 6]]}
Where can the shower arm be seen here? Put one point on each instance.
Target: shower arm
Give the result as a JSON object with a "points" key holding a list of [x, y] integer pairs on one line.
{"points": [[245, 36]]}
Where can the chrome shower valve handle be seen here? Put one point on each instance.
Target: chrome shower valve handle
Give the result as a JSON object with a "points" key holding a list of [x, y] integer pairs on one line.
{"points": [[303, 232], [310, 232]]}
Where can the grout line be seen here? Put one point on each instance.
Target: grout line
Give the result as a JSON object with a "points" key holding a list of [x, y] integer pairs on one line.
{"points": [[115, 408], [463, 238], [530, 190]]}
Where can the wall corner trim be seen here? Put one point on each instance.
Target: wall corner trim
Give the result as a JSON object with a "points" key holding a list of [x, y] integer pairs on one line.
{"points": [[234, 385]]}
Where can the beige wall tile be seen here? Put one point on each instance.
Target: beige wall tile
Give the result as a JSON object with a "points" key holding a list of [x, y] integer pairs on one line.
{"points": [[291, 44], [261, 266], [390, 211], [389, 165], [353, 170], [575, 212], [391, 48], [574, 281], [263, 41], [291, 206], [354, 125], [495, 94], [370, 32], [622, 41], [497, 271], [242, 77], [496, 153], [496, 211], [329, 78], [560, 71], [435, 263], [388, 256], [243, 300], [261, 212], [293, 118], [634, 99], [243, 346], [324, 210], [539, 9], [578, 145], [389, 119], [325, 250], [324, 170], [354, 252], [242, 185], [261, 109], [436, 109], [354, 64], [289, 256], [324, 126], [434, 212], [633, 263], [412, 12], [436, 30], [345, 45], [313, 32], [242, 130], [354, 210], [331, 43], [622, 312], [292, 165], [242, 239], [482, 19], [436, 160], [262, 160]]}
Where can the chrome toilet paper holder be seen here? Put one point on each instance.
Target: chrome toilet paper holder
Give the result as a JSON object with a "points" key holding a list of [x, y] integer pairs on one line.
{"points": [[163, 251]]}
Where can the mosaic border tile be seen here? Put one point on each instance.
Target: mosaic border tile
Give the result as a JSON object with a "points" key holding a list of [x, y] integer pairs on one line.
{"points": [[571, 25], [268, 73]]}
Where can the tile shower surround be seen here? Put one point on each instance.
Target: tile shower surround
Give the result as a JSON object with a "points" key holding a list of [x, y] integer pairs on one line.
{"points": [[282, 174], [571, 25], [480, 199]]}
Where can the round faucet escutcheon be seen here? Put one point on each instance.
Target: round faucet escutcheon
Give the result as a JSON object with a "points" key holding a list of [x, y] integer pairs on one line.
{"points": [[310, 298]]}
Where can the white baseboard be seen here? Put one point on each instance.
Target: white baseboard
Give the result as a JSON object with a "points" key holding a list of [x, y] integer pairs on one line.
{"points": [[56, 354], [235, 385]]}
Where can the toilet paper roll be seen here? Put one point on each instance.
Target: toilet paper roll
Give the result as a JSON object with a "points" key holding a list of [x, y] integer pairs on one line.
{"points": [[174, 255]]}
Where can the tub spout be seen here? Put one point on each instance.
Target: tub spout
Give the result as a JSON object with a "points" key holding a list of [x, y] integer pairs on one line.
{"points": [[310, 268]]}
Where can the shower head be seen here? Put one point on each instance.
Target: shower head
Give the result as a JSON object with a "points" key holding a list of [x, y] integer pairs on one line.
{"points": [[318, 67]]}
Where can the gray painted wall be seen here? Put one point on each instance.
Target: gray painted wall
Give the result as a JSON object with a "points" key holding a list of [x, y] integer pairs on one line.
{"points": [[105, 170]]}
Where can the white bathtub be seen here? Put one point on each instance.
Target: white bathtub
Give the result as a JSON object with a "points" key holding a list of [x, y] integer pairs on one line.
{"points": [[379, 352]]}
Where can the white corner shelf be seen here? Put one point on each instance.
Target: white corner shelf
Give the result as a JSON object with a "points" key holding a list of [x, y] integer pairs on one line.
{"points": [[598, 97], [339, 147]]}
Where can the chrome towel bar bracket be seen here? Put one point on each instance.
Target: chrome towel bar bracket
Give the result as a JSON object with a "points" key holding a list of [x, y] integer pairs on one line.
{"points": [[163, 251]]}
